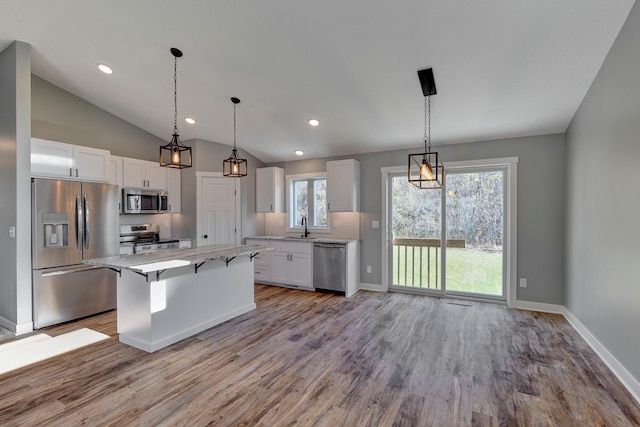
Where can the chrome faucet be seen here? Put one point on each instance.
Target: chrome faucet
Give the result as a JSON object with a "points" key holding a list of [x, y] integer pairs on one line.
{"points": [[303, 221]]}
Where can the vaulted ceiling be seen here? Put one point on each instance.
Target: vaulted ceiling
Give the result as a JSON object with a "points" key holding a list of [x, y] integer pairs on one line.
{"points": [[503, 68]]}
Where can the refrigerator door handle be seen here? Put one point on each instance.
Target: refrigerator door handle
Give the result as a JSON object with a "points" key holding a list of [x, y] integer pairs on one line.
{"points": [[87, 222], [79, 223], [63, 272]]}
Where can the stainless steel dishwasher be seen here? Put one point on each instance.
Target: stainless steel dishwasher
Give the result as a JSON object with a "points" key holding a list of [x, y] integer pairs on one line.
{"points": [[330, 266]]}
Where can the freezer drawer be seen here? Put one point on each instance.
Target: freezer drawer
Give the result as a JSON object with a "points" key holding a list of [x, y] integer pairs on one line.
{"points": [[68, 293]]}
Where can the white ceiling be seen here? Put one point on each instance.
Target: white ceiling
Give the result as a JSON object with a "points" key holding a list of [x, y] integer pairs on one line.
{"points": [[503, 68]]}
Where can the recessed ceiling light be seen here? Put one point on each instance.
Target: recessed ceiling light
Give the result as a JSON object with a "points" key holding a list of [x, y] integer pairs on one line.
{"points": [[105, 69], [314, 122], [190, 120], [299, 153]]}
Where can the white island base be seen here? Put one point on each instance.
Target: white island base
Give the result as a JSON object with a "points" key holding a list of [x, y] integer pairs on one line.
{"points": [[156, 313]]}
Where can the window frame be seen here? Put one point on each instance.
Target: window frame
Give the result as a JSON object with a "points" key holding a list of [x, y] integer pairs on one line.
{"points": [[290, 227]]}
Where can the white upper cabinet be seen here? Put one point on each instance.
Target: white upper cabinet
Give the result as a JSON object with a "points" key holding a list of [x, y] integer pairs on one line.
{"points": [[343, 186], [270, 189], [51, 159], [91, 164], [115, 170], [156, 176], [143, 174], [173, 188]]}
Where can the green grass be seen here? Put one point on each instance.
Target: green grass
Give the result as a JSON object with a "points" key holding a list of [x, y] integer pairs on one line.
{"points": [[468, 270]]}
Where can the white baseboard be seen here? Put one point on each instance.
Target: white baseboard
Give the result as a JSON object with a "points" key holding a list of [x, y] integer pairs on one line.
{"points": [[628, 380], [151, 346], [371, 287], [17, 329], [540, 306], [24, 328]]}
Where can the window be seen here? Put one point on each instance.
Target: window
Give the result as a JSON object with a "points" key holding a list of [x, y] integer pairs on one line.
{"points": [[307, 197]]}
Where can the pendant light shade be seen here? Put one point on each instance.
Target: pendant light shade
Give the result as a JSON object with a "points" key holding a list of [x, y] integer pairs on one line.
{"points": [[234, 166], [175, 154], [425, 169]]}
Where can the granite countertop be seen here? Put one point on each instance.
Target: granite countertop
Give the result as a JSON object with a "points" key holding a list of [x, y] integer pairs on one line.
{"points": [[173, 258], [304, 239]]}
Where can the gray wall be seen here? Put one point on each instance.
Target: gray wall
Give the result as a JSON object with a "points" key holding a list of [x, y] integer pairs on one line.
{"points": [[208, 158], [603, 205], [61, 116], [540, 205], [15, 190]]}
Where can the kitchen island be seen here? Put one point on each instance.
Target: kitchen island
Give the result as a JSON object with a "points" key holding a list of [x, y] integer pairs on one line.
{"points": [[166, 296]]}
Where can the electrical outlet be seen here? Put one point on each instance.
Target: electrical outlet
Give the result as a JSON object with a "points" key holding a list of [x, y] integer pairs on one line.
{"points": [[375, 224], [12, 232], [368, 269], [523, 283]]}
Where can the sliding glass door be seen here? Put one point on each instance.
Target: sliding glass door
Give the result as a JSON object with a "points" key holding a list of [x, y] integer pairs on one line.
{"points": [[475, 209], [416, 224], [469, 214]]}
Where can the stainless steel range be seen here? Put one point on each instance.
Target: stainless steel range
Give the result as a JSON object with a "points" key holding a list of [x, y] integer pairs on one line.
{"points": [[143, 238]]}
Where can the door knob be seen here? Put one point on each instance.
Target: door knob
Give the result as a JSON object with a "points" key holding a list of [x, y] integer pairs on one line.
{"points": [[206, 236]]}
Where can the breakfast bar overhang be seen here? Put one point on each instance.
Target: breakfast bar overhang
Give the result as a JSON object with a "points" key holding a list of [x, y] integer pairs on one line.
{"points": [[165, 297]]}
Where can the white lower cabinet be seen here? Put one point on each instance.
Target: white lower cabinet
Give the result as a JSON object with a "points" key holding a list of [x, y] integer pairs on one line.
{"points": [[293, 269], [289, 264]]}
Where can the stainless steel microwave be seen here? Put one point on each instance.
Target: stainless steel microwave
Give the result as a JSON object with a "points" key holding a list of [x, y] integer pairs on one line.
{"points": [[138, 201]]}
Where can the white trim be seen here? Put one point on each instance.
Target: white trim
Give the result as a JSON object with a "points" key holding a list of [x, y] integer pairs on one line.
{"points": [[209, 174], [511, 217], [17, 328], [370, 287], [152, 346], [237, 187], [618, 369], [512, 231], [385, 232], [481, 162], [289, 204], [539, 306]]}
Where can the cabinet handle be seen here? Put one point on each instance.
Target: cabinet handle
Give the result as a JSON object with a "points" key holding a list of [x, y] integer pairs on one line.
{"points": [[328, 206], [76, 172], [71, 172], [271, 207]]}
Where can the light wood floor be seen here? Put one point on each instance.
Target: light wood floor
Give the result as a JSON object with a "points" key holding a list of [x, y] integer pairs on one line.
{"points": [[304, 358]]}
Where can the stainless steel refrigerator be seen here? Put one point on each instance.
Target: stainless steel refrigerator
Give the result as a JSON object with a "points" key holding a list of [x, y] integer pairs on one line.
{"points": [[72, 221]]}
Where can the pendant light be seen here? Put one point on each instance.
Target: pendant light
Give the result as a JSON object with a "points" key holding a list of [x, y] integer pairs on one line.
{"points": [[234, 166], [425, 169], [175, 154]]}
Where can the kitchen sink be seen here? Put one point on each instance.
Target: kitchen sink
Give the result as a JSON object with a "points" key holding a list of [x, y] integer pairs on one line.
{"points": [[301, 238]]}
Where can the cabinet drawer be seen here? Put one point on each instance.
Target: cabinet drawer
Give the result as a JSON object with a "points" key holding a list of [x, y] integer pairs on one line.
{"points": [[257, 242], [262, 259], [292, 247], [261, 273]]}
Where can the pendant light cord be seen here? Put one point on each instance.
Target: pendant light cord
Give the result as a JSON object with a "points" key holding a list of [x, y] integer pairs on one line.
{"points": [[175, 94], [427, 123], [234, 126]]}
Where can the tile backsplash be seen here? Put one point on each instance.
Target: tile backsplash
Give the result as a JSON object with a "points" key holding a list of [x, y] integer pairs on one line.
{"points": [[163, 220], [344, 225]]}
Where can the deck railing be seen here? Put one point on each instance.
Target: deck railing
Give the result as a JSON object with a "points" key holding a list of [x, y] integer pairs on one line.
{"points": [[414, 263]]}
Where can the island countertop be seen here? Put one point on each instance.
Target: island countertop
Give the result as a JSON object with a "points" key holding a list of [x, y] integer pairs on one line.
{"points": [[173, 258]]}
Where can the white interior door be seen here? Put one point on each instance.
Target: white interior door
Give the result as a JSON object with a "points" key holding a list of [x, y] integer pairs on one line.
{"points": [[218, 213]]}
